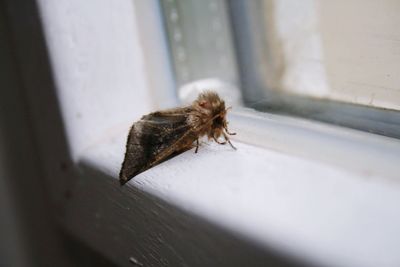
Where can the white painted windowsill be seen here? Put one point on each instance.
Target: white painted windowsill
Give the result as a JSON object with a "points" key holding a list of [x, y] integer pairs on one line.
{"points": [[321, 212]]}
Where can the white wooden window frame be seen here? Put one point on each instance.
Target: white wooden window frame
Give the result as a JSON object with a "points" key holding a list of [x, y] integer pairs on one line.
{"points": [[305, 191]]}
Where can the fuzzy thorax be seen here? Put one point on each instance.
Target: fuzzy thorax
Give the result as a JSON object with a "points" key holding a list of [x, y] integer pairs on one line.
{"points": [[209, 115]]}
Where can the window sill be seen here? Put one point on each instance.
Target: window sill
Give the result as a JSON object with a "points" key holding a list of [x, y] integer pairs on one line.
{"points": [[309, 205], [325, 194]]}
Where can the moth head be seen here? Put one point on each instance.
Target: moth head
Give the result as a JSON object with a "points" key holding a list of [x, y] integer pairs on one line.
{"points": [[211, 101], [211, 104]]}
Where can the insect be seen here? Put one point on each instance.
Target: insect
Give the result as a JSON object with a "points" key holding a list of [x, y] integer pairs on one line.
{"points": [[162, 135]]}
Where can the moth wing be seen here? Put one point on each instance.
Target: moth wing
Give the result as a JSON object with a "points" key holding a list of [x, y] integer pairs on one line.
{"points": [[155, 138]]}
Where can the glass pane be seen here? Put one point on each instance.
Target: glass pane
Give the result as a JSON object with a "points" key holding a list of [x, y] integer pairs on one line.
{"points": [[341, 50], [333, 61]]}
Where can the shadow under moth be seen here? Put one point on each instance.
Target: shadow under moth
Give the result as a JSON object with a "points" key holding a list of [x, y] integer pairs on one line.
{"points": [[162, 135]]}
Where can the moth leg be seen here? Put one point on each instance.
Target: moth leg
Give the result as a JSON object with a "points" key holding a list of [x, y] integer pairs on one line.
{"points": [[197, 145], [229, 141], [216, 140], [228, 132]]}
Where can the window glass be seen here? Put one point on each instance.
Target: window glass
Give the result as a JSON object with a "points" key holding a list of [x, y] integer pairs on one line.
{"points": [[333, 61]]}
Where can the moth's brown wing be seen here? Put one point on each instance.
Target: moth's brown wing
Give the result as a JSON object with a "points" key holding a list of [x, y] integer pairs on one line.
{"points": [[155, 138]]}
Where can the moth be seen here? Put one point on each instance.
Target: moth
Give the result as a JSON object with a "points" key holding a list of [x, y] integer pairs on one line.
{"points": [[162, 135]]}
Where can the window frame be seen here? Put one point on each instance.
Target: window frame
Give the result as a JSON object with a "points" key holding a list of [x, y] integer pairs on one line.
{"points": [[253, 55]]}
